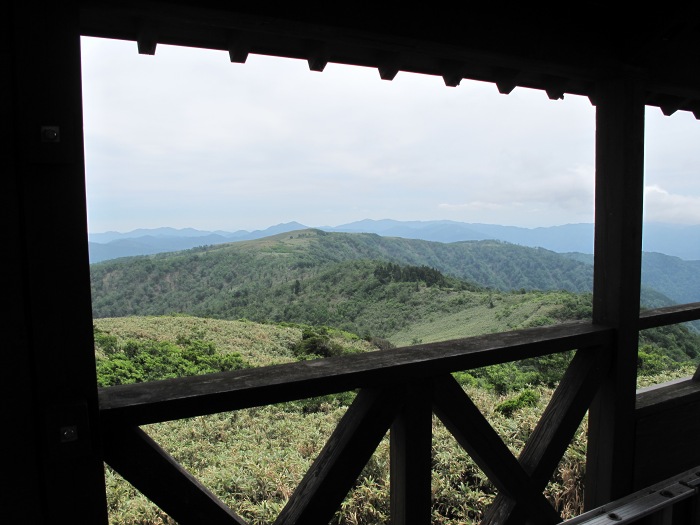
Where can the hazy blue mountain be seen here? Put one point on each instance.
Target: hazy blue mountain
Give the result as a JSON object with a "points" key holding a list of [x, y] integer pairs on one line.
{"points": [[567, 238], [671, 239], [677, 279], [113, 245]]}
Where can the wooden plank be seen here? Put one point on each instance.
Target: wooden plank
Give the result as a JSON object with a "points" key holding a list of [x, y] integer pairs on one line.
{"points": [[655, 505], [149, 468], [54, 336], [616, 283], [269, 32], [659, 398], [667, 426], [411, 460], [186, 397], [555, 429], [678, 489], [342, 459], [669, 315], [23, 445], [667, 439], [468, 425]]}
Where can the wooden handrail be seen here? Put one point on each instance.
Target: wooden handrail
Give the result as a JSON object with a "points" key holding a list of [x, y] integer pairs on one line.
{"points": [[669, 315], [156, 401], [659, 499]]}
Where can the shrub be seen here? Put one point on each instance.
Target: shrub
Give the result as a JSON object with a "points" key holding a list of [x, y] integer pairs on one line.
{"points": [[526, 398]]}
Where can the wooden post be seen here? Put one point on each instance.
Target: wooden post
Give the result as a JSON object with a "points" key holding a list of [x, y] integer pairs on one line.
{"points": [[616, 287], [51, 374], [411, 464]]}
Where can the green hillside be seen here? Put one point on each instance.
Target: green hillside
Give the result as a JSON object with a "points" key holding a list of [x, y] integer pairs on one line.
{"points": [[325, 278]]}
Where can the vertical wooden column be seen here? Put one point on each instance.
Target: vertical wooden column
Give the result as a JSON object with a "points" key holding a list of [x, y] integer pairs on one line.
{"points": [[616, 289], [51, 381], [21, 489], [411, 461]]}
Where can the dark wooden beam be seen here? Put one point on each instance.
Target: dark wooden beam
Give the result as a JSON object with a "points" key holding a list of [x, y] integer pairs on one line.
{"points": [[473, 432], [342, 459], [556, 427], [237, 45], [619, 199], [411, 462], [669, 492], [147, 38], [388, 65], [506, 79], [190, 396], [482, 43], [667, 429], [50, 339], [149, 468], [669, 315], [316, 54], [20, 412]]}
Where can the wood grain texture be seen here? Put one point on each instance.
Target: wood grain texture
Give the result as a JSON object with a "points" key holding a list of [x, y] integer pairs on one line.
{"points": [[156, 401], [149, 468], [555, 429], [342, 459], [474, 433]]}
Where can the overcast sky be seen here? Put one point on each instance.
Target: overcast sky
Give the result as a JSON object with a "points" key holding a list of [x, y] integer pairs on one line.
{"points": [[187, 139]]}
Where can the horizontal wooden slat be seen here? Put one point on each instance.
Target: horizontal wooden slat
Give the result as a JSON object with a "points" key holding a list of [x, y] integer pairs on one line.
{"points": [[658, 398], [190, 396], [666, 430], [669, 315], [642, 503]]}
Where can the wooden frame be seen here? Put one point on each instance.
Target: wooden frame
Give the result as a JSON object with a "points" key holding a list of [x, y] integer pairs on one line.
{"points": [[55, 421]]}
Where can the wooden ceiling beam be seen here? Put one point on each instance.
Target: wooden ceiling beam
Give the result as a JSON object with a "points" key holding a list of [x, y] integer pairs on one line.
{"points": [[388, 65], [316, 54], [147, 38], [238, 46], [554, 86], [500, 55], [506, 79]]}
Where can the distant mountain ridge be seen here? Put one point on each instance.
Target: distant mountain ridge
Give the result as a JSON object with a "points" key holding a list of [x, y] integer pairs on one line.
{"points": [[669, 239]]}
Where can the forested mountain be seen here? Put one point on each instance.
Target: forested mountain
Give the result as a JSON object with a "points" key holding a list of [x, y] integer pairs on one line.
{"points": [[675, 278], [365, 283], [308, 270]]}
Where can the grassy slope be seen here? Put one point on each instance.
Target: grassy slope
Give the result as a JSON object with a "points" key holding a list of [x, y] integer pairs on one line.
{"points": [[488, 313], [258, 344]]}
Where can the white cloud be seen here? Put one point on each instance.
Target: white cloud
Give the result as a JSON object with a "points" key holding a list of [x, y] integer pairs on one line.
{"points": [[662, 206], [185, 138]]}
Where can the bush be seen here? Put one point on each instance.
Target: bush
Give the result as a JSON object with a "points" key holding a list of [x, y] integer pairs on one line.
{"points": [[526, 398], [137, 361]]}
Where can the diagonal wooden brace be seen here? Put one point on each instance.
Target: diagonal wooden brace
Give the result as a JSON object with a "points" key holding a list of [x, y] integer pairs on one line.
{"points": [[134, 455], [474, 433], [342, 459], [555, 429]]}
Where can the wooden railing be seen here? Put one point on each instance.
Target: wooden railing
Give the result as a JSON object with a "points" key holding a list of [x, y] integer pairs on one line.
{"points": [[398, 390], [673, 501]]}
